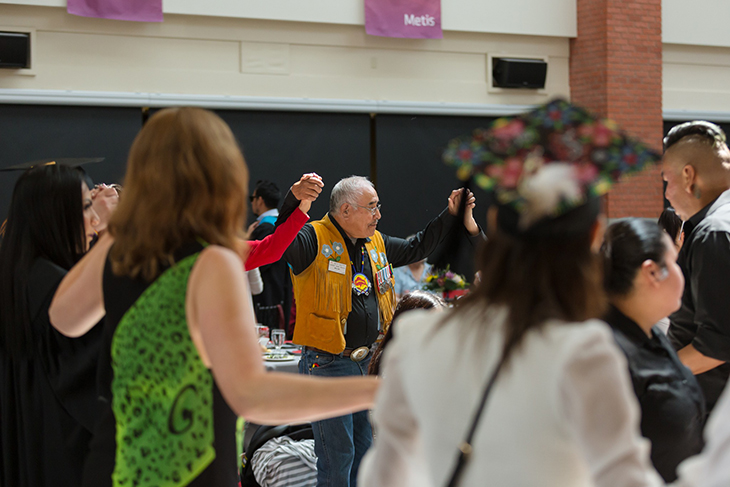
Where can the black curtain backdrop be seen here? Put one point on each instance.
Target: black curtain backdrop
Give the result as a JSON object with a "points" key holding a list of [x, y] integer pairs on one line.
{"points": [[281, 146], [31, 132], [414, 183]]}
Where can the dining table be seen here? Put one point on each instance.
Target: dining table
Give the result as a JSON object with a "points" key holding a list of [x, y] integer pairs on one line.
{"points": [[285, 360]]}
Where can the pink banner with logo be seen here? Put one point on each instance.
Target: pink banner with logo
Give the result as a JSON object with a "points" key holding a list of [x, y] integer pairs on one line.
{"points": [[139, 10], [415, 19]]}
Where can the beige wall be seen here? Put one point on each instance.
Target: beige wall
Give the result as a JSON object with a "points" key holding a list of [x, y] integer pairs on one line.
{"points": [[262, 58], [533, 17], [697, 79], [202, 55], [696, 22], [696, 75]]}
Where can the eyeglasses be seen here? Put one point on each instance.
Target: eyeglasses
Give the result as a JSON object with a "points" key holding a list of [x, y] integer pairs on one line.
{"points": [[252, 197], [371, 209]]}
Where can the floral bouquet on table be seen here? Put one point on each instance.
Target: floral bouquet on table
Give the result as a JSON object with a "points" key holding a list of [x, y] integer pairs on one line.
{"points": [[447, 282]]}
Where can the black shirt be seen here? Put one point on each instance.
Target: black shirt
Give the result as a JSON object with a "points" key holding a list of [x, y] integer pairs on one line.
{"points": [[277, 286], [704, 318], [362, 327], [48, 400], [672, 406]]}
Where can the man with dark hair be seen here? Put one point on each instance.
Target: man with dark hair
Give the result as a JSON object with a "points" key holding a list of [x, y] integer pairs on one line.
{"points": [[273, 305], [265, 200], [696, 168]]}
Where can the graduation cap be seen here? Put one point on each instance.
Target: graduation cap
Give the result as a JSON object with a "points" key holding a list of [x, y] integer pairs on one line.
{"points": [[75, 162], [545, 164], [69, 161]]}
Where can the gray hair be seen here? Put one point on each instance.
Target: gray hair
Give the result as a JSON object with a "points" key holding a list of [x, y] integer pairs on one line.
{"points": [[346, 190]]}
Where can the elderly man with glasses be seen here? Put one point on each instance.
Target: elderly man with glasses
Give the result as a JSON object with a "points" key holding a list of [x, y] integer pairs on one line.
{"points": [[343, 286]]}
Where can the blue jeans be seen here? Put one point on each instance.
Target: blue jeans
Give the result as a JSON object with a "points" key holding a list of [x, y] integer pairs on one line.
{"points": [[340, 443]]}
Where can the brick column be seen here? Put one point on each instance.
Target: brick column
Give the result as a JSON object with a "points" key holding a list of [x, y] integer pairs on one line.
{"points": [[616, 72]]}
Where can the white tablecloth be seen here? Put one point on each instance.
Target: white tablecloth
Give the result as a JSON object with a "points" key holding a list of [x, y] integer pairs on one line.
{"points": [[288, 366]]}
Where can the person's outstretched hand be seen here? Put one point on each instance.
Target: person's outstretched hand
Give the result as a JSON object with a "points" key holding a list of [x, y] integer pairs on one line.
{"points": [[104, 199], [455, 202], [307, 190], [252, 227]]}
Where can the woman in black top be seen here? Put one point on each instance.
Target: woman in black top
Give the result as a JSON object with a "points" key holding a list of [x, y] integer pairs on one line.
{"points": [[644, 284], [48, 402], [180, 357]]}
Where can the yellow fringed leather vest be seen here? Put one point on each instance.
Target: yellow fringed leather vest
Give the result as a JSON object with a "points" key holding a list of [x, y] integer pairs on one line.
{"points": [[323, 291]]}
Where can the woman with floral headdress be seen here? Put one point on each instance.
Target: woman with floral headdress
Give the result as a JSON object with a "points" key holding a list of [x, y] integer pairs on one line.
{"points": [[519, 385]]}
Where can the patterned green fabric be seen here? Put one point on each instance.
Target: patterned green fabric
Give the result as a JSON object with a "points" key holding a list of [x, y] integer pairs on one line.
{"points": [[162, 391]]}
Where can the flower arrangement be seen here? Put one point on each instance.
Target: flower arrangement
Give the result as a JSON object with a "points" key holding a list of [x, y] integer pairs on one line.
{"points": [[446, 281]]}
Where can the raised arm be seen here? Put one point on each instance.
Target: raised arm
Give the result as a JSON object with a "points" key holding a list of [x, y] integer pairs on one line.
{"points": [[308, 188], [272, 247], [79, 301], [455, 202], [219, 312], [406, 251]]}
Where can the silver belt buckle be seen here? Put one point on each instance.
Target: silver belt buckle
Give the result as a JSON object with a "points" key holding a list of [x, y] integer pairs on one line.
{"points": [[359, 354]]}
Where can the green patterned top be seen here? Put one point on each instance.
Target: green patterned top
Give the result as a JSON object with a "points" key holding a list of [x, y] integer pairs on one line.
{"points": [[162, 393]]}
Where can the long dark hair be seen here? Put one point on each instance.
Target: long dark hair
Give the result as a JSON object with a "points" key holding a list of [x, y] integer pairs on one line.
{"points": [[46, 220], [626, 245], [412, 300], [537, 279], [670, 222]]}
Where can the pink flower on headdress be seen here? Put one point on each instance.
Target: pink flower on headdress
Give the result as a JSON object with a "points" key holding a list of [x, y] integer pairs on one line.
{"points": [[602, 135], [510, 130], [586, 172], [511, 172]]}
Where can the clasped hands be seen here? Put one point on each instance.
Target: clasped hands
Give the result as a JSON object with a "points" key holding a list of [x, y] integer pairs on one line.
{"points": [[104, 200], [455, 203]]}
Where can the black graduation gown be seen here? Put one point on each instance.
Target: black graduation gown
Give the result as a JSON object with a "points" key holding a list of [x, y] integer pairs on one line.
{"points": [[48, 401]]}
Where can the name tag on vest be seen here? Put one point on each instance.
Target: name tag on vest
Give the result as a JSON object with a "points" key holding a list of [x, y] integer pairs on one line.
{"points": [[337, 267]]}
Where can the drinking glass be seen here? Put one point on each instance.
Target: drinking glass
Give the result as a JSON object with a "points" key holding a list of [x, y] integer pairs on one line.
{"points": [[277, 337]]}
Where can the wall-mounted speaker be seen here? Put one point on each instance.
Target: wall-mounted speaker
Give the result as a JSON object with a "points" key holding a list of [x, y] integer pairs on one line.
{"points": [[518, 73], [14, 50]]}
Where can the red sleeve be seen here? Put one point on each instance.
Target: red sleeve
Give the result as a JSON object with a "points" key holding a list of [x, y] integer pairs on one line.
{"points": [[271, 248]]}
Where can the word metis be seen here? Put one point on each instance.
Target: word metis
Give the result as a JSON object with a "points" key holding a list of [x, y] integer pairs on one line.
{"points": [[422, 21]]}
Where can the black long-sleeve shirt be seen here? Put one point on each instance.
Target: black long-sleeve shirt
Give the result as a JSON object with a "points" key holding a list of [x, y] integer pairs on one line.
{"points": [[363, 325], [704, 318], [672, 406]]}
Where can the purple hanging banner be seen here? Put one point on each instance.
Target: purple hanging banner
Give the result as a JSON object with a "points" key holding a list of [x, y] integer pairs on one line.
{"points": [[139, 10], [415, 19]]}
